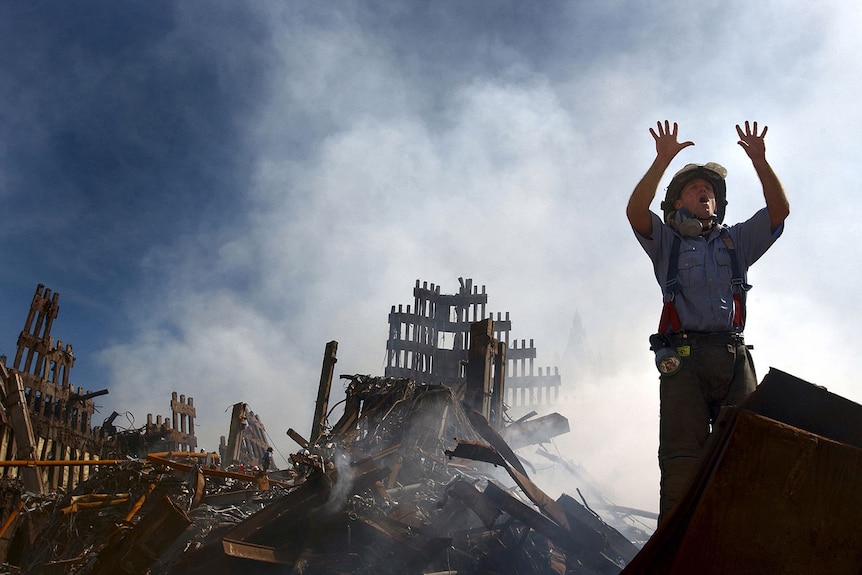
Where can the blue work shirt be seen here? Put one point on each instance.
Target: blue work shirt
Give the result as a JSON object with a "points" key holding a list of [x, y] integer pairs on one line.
{"points": [[705, 301]]}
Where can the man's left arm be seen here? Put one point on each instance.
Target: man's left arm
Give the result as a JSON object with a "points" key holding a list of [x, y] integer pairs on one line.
{"points": [[777, 203]]}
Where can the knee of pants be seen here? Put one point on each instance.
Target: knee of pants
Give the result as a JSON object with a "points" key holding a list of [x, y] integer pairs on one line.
{"points": [[675, 475], [684, 416]]}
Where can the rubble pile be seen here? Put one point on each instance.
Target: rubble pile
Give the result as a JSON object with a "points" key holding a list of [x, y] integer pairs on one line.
{"points": [[412, 478], [409, 480], [91, 530]]}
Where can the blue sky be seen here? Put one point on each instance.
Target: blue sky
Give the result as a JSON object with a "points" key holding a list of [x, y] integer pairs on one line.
{"points": [[218, 189]]}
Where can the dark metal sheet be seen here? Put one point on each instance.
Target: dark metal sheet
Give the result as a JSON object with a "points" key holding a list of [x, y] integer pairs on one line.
{"points": [[546, 504], [813, 408], [477, 501], [769, 497], [539, 430], [483, 428]]}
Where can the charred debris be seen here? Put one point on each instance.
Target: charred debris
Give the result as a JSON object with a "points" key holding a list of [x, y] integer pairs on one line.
{"points": [[415, 476]]}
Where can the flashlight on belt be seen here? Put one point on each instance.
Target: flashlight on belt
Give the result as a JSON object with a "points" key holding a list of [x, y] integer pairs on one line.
{"points": [[667, 359]]}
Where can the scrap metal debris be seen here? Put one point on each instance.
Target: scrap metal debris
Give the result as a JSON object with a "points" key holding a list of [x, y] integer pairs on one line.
{"points": [[412, 478], [131, 516]]}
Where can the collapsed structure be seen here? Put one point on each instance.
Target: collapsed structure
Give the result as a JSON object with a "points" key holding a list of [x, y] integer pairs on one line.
{"points": [[414, 477], [247, 438], [409, 480], [45, 418]]}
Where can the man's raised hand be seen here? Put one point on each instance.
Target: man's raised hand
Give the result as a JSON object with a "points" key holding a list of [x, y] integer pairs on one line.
{"points": [[666, 144], [751, 142]]}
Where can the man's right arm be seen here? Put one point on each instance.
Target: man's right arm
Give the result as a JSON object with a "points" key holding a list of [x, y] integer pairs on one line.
{"points": [[637, 210], [667, 147]]}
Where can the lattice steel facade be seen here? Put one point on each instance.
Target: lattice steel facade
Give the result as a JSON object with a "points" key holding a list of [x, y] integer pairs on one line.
{"points": [[429, 342]]}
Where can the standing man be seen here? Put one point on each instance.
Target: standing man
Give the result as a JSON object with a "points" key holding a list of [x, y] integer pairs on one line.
{"points": [[266, 460], [701, 265]]}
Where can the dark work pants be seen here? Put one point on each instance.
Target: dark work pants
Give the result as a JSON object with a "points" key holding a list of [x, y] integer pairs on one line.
{"points": [[719, 371]]}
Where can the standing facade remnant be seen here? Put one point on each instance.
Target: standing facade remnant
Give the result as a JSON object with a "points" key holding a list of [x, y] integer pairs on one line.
{"points": [[247, 441], [527, 384], [59, 415], [176, 433], [429, 342], [44, 417], [230, 450]]}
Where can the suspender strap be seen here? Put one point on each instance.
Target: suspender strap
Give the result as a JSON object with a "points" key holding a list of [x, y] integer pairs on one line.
{"points": [[738, 287], [669, 321]]}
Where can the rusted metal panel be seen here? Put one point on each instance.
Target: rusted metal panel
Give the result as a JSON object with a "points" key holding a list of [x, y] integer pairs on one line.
{"points": [[769, 497], [813, 408], [260, 553]]}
